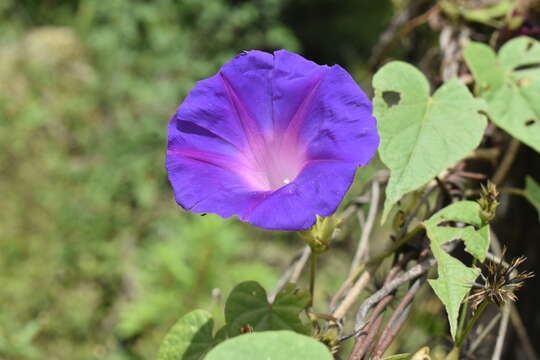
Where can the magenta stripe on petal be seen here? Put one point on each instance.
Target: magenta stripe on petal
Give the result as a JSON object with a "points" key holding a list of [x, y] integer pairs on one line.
{"points": [[274, 139]]}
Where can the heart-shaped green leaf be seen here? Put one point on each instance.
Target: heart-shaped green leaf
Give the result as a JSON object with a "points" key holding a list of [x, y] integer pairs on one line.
{"points": [[189, 339], [421, 135], [248, 305], [510, 83], [270, 345]]}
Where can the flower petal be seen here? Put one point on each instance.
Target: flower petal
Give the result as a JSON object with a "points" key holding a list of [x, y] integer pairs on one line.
{"points": [[207, 107], [228, 112], [339, 125], [247, 79], [293, 83], [202, 187], [189, 135], [317, 190]]}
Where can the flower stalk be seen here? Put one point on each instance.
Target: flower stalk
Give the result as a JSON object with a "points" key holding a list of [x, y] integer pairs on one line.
{"points": [[312, 275], [470, 324], [318, 238]]}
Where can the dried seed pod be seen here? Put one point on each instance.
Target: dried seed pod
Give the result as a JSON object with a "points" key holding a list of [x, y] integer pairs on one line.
{"points": [[500, 282]]}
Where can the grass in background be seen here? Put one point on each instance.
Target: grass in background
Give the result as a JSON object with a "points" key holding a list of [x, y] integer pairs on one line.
{"points": [[96, 259]]}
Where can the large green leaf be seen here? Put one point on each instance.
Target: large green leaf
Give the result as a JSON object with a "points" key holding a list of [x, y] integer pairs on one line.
{"points": [[270, 345], [421, 135], [452, 284], [532, 192], [189, 339], [510, 83], [248, 305]]}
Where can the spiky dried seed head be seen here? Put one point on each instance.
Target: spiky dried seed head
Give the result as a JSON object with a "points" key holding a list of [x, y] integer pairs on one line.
{"points": [[500, 282]]}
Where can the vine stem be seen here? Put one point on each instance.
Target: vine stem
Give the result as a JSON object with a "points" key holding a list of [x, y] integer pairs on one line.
{"points": [[506, 162], [396, 320], [470, 324], [503, 326], [292, 273], [403, 236], [464, 310], [480, 338], [362, 249], [374, 262], [463, 316], [414, 272], [352, 296], [312, 273]]}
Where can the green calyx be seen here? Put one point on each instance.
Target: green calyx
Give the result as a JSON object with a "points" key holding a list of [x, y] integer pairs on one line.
{"points": [[319, 235]]}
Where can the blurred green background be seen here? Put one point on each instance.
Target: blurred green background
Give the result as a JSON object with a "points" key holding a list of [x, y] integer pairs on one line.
{"points": [[96, 259]]}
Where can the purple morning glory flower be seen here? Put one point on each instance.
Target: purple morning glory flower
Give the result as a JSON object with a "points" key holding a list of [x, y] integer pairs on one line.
{"points": [[274, 139]]}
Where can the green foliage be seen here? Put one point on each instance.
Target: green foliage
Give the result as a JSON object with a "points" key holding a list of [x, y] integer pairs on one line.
{"points": [[510, 83], [532, 192], [488, 14], [418, 131], [275, 345], [452, 284], [190, 338], [248, 305], [246, 310], [475, 235], [96, 259], [86, 91], [208, 247], [397, 357]]}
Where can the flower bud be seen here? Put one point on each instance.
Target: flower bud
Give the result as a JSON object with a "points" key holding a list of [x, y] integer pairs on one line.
{"points": [[488, 202]]}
